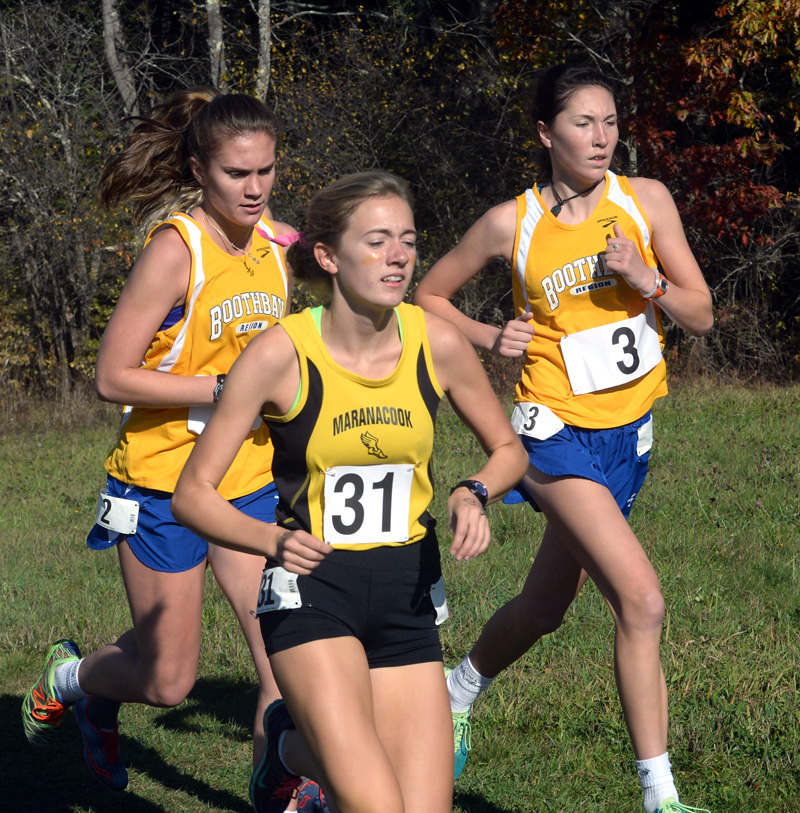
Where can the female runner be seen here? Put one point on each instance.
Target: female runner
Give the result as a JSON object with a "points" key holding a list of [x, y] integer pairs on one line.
{"points": [[595, 259], [352, 590], [208, 280]]}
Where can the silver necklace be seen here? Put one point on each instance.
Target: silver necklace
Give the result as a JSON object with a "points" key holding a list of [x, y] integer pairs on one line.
{"points": [[228, 240]]}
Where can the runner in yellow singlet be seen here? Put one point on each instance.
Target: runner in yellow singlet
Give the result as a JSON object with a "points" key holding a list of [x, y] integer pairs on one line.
{"points": [[596, 258]]}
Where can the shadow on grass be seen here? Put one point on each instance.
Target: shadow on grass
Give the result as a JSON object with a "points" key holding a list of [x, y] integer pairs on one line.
{"points": [[473, 803], [233, 704], [55, 779]]}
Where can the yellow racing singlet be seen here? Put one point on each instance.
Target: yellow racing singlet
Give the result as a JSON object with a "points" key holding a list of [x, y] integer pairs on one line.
{"points": [[229, 301], [353, 456], [595, 357]]}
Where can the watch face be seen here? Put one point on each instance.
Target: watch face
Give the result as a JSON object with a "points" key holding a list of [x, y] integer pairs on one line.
{"points": [[663, 285], [479, 488]]}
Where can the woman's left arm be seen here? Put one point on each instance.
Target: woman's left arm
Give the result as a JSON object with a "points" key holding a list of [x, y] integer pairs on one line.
{"points": [[468, 389], [688, 300]]}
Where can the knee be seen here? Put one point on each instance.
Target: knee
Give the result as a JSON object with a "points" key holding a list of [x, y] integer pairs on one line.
{"points": [[540, 618], [168, 688], [643, 609]]}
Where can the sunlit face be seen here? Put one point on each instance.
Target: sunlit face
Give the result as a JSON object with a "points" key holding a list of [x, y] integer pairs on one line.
{"points": [[238, 178], [583, 136], [373, 263]]}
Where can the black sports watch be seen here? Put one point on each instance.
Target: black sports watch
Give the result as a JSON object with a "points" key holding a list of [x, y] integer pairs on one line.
{"points": [[220, 384], [476, 487]]}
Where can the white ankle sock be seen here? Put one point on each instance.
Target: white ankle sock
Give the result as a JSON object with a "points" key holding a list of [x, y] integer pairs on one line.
{"points": [[465, 684], [65, 682], [656, 777]]}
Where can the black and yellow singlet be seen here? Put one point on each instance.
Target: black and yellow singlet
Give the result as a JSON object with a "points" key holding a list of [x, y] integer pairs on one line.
{"points": [[353, 456]]}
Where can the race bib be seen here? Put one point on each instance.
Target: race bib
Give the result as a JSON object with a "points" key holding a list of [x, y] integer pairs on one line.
{"points": [[603, 357], [535, 420], [440, 602], [367, 504], [117, 514], [644, 440], [278, 591]]}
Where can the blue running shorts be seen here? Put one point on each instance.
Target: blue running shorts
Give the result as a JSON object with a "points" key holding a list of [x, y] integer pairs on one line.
{"points": [[616, 458], [160, 542]]}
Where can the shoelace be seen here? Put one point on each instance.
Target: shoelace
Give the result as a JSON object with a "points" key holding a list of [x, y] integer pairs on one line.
{"points": [[46, 709], [462, 731], [288, 787]]}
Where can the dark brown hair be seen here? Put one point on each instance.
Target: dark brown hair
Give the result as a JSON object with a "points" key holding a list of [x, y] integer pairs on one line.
{"points": [[152, 173]]}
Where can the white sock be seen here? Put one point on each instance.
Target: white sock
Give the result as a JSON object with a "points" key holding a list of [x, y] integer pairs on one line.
{"points": [[65, 682], [465, 685], [656, 777]]}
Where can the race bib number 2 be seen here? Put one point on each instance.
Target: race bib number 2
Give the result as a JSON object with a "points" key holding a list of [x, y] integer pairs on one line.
{"points": [[117, 514], [367, 504]]}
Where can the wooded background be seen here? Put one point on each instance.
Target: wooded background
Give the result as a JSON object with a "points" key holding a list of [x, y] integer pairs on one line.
{"points": [[437, 92]]}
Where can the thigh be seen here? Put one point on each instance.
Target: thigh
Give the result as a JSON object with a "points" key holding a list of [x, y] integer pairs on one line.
{"points": [[327, 689], [166, 610], [413, 720], [586, 520]]}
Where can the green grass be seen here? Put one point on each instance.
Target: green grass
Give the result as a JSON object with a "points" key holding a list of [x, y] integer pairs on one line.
{"points": [[719, 515]]}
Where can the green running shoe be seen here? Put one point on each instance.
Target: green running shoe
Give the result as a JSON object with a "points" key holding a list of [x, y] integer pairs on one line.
{"points": [[674, 806], [462, 736], [42, 709]]}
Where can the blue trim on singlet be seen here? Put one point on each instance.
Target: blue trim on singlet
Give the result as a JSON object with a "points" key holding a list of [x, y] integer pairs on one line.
{"points": [[176, 314]]}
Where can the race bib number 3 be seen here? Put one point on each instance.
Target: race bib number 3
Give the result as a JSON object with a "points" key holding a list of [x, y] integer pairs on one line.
{"points": [[367, 505], [610, 355], [535, 420], [117, 514]]}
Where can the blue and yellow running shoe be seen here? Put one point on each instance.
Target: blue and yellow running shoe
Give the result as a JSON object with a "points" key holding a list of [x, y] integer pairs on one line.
{"points": [[272, 787], [101, 749], [42, 708]]}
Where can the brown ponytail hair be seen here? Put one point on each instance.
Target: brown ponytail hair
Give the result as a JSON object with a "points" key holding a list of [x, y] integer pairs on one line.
{"points": [[151, 172]]}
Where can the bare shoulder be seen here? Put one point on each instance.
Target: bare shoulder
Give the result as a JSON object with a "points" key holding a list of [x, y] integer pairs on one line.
{"points": [[448, 343], [498, 227], [283, 228], [652, 194]]}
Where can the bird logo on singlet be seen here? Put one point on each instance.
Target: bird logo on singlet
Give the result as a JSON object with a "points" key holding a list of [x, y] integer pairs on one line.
{"points": [[371, 442]]}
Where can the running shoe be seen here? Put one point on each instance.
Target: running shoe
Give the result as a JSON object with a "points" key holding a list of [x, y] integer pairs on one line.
{"points": [[674, 806], [462, 736], [272, 787], [310, 798], [42, 709], [101, 749]]}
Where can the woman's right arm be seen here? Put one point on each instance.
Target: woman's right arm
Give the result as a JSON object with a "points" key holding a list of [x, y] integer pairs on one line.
{"points": [[158, 282], [490, 237]]}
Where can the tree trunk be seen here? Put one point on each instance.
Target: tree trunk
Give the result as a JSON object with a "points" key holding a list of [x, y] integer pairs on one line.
{"points": [[216, 46], [264, 48], [115, 49]]}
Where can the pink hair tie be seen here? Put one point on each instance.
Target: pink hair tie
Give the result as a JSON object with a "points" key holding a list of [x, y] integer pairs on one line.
{"points": [[286, 240]]}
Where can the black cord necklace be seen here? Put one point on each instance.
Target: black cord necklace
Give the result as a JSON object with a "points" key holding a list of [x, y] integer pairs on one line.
{"points": [[560, 202]]}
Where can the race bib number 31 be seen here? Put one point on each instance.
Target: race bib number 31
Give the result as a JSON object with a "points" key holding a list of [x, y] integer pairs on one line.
{"points": [[610, 355], [367, 504]]}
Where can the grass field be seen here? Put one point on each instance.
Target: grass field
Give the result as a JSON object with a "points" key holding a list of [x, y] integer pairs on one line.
{"points": [[719, 515]]}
